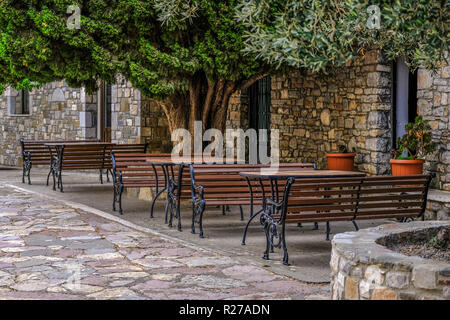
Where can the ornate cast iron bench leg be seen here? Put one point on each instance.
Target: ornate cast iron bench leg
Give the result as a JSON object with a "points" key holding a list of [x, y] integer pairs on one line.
{"points": [[244, 236], [120, 199], [158, 192], [328, 230], [198, 208], [198, 203], [115, 197], [266, 231], [26, 165], [283, 243], [49, 173]]}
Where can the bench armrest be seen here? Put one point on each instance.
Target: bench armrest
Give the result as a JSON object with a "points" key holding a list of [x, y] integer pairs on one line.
{"points": [[270, 202]]}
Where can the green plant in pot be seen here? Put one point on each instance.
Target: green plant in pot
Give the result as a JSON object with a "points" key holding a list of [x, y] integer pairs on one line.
{"points": [[343, 160], [417, 144]]}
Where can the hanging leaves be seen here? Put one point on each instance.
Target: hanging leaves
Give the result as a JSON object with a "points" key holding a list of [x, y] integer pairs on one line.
{"points": [[321, 33]]}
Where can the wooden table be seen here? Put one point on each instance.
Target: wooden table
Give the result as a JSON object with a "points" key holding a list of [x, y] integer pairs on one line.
{"points": [[174, 183], [85, 156], [290, 176]]}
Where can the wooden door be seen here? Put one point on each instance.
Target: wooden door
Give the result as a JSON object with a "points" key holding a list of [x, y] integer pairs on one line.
{"points": [[105, 112]]}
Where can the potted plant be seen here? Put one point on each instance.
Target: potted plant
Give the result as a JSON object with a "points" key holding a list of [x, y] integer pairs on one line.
{"points": [[416, 143], [342, 160]]}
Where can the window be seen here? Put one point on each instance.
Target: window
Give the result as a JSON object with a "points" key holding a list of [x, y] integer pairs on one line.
{"points": [[19, 104]]}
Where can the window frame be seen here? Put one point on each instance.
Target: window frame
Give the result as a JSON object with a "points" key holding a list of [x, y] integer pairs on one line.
{"points": [[25, 101]]}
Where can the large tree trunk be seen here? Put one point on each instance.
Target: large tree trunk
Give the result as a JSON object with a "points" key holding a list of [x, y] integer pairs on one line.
{"points": [[206, 101]]}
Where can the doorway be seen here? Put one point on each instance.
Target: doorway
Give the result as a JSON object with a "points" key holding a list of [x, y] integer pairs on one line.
{"points": [[259, 109], [405, 97], [105, 112]]}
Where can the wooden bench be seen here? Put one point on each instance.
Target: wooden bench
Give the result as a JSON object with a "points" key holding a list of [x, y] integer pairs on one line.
{"points": [[221, 184], [77, 156], [34, 152], [342, 199], [131, 170], [123, 148]]}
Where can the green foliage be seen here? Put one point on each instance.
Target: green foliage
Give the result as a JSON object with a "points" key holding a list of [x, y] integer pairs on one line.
{"points": [[326, 33], [441, 240], [162, 45], [417, 141], [159, 45]]}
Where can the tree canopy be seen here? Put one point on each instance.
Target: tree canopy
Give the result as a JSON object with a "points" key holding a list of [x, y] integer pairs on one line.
{"points": [[317, 34], [191, 55], [186, 54]]}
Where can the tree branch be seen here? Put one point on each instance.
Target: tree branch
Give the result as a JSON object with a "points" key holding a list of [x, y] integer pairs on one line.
{"points": [[247, 83]]}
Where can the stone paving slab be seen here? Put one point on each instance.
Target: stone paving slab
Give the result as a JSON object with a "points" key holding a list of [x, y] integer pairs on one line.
{"points": [[49, 250]]}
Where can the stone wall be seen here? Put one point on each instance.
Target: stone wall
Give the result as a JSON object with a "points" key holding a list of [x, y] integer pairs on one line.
{"points": [[237, 114], [438, 205], [137, 119], [125, 113], [56, 112], [433, 94], [155, 129], [363, 269], [316, 113]]}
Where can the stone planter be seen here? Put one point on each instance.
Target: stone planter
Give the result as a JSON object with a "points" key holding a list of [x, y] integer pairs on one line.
{"points": [[362, 267], [341, 161]]}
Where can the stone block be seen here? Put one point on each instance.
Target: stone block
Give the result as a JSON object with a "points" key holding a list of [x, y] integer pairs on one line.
{"points": [[384, 294], [373, 79], [334, 262], [424, 79], [299, 132], [442, 215], [124, 105], [348, 123], [425, 276], [134, 110], [374, 275], [357, 272], [365, 289], [446, 292], [398, 280], [445, 73], [351, 289], [325, 117]]}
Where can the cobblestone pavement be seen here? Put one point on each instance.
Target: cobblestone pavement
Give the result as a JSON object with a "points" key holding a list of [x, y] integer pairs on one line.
{"points": [[49, 250]]}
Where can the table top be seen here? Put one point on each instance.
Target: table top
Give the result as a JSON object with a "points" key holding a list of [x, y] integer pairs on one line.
{"points": [[182, 160], [303, 174], [52, 144]]}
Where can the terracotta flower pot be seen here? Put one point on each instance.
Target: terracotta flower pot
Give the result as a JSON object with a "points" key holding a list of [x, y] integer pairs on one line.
{"points": [[406, 167], [341, 161]]}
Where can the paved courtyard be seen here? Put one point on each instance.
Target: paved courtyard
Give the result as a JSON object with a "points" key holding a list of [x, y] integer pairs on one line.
{"points": [[51, 250]]}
